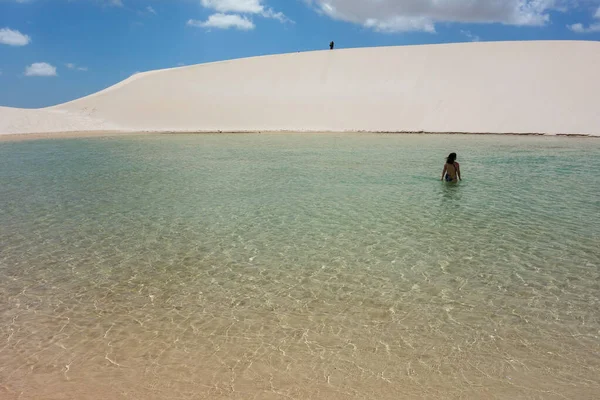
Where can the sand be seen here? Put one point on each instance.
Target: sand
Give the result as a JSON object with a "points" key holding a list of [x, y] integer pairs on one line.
{"points": [[547, 87], [49, 120]]}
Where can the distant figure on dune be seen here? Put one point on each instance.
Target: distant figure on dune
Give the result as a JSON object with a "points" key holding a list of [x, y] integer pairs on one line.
{"points": [[331, 45], [451, 172]]}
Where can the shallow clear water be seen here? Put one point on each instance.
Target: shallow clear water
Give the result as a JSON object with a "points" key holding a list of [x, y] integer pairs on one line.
{"points": [[299, 267]]}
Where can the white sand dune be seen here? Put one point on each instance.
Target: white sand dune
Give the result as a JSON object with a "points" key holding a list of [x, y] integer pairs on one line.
{"points": [[47, 120], [498, 87]]}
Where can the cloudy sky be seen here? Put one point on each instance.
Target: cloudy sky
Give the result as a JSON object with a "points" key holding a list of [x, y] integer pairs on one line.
{"points": [[53, 51]]}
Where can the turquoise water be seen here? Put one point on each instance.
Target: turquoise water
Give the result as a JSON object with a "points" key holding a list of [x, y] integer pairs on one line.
{"points": [[299, 267]]}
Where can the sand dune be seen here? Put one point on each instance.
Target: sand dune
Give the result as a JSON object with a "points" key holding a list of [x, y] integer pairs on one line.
{"points": [[501, 87], [45, 120]]}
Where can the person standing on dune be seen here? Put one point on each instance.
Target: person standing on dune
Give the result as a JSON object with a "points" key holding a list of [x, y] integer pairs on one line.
{"points": [[331, 45]]}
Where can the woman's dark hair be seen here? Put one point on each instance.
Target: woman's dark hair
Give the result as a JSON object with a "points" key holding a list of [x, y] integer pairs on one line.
{"points": [[451, 158]]}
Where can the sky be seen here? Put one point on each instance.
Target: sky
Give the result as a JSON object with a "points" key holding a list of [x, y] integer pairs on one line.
{"points": [[53, 51]]}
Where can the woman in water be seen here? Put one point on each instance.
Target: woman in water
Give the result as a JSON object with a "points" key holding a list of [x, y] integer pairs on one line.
{"points": [[451, 172]]}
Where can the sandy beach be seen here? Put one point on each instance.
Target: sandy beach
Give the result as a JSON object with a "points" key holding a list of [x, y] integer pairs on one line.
{"points": [[547, 87]]}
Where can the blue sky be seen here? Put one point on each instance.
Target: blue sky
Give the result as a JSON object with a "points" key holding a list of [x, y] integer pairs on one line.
{"points": [[52, 51]]}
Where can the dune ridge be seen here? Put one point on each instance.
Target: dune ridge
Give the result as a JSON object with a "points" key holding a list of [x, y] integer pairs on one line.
{"points": [[538, 87]]}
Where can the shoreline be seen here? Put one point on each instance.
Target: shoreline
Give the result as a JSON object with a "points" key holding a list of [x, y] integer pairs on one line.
{"points": [[19, 137]]}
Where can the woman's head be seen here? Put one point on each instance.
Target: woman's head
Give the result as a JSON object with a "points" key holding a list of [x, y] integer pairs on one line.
{"points": [[451, 158]]}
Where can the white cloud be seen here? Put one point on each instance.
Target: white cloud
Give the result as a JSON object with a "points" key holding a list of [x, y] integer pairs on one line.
{"points": [[116, 3], [244, 7], [13, 38], [224, 21], [580, 28], [401, 24], [40, 69], [151, 10], [237, 6], [269, 13], [422, 15], [470, 36], [75, 67]]}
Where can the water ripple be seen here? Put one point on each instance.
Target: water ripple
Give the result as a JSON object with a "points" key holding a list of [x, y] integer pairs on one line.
{"points": [[299, 267]]}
